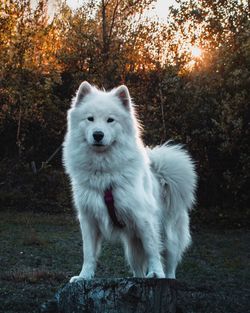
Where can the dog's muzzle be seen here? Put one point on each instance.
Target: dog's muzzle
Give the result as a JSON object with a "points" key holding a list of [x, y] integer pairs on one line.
{"points": [[98, 136]]}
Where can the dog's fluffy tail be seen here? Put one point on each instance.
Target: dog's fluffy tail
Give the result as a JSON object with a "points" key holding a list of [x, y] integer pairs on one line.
{"points": [[175, 171]]}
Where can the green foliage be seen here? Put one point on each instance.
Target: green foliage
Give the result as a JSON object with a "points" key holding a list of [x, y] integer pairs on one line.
{"points": [[216, 96], [21, 189], [202, 102]]}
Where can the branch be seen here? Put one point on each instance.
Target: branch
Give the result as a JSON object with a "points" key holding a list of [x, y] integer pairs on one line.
{"points": [[113, 20]]}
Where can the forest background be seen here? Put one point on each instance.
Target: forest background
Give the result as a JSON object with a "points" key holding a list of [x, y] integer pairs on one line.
{"points": [[189, 77]]}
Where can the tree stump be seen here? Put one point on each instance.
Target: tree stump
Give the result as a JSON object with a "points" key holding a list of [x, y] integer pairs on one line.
{"points": [[117, 295]]}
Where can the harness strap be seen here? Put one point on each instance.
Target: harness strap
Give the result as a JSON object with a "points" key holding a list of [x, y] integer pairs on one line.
{"points": [[109, 201]]}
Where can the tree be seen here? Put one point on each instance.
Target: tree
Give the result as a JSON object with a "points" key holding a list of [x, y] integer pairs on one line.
{"points": [[29, 69], [108, 40], [210, 25], [214, 94]]}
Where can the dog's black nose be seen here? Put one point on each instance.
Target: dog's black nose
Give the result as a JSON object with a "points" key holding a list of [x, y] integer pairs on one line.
{"points": [[98, 135]]}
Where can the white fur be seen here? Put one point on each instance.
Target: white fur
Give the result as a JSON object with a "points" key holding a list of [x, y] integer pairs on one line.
{"points": [[153, 190]]}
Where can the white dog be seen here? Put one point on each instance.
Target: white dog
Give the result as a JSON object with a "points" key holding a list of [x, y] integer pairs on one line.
{"points": [[123, 190]]}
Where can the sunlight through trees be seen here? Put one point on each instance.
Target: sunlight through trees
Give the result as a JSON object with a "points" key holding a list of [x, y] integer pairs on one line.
{"points": [[189, 76]]}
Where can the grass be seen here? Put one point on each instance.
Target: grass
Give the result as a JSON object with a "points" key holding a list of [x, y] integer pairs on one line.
{"points": [[32, 238], [40, 252], [34, 276]]}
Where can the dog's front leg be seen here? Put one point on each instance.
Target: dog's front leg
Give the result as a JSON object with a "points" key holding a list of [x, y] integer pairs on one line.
{"points": [[91, 247], [151, 243]]}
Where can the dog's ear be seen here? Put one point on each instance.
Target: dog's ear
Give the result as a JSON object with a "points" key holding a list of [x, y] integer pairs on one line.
{"points": [[84, 89], [123, 94]]}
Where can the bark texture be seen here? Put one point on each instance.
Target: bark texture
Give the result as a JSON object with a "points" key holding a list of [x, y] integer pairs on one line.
{"points": [[118, 295]]}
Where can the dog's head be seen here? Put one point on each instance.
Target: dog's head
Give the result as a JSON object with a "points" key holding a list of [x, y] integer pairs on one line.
{"points": [[102, 119]]}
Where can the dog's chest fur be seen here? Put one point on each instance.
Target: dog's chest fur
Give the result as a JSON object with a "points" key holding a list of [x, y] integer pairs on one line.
{"points": [[89, 190]]}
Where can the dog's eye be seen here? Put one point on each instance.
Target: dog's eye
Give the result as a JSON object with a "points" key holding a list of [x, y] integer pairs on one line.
{"points": [[110, 120], [91, 119]]}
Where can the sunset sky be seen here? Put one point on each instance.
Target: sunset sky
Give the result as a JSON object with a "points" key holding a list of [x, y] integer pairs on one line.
{"points": [[161, 7]]}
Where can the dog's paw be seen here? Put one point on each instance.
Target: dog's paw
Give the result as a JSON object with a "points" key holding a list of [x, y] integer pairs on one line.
{"points": [[81, 277], [75, 279], [155, 274], [170, 275]]}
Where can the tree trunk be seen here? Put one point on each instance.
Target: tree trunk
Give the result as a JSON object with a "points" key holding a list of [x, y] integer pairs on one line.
{"points": [[118, 295], [105, 47], [163, 116]]}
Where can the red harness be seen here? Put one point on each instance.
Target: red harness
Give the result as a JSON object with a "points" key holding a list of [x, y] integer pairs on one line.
{"points": [[109, 201]]}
